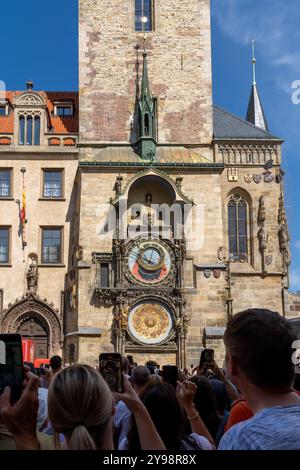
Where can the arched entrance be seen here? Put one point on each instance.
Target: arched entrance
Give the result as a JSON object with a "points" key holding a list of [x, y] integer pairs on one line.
{"points": [[37, 320], [33, 329]]}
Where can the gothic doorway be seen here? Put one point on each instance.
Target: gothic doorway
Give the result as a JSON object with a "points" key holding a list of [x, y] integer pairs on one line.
{"points": [[37, 320], [33, 329]]}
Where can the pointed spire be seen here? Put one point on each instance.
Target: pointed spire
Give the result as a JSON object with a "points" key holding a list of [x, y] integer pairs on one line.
{"points": [[147, 118], [255, 112], [145, 89]]}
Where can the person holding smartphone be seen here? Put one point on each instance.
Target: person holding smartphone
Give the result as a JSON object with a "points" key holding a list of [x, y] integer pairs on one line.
{"points": [[81, 407]]}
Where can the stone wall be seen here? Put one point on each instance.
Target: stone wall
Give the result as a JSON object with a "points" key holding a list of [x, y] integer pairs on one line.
{"points": [[179, 63]]}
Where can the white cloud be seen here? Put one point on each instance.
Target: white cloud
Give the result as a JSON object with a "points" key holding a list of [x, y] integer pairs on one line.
{"points": [[272, 23]]}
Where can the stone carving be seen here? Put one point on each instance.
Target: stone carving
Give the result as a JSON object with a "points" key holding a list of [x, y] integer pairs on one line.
{"points": [[233, 154], [283, 235], [207, 273], [32, 275], [118, 185], [31, 304], [30, 99], [248, 178], [262, 234], [257, 178], [233, 174]]}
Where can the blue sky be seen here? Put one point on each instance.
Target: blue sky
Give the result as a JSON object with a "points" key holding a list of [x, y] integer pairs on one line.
{"points": [[39, 42]]}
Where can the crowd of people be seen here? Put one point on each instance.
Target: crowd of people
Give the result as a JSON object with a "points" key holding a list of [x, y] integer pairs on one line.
{"points": [[253, 403]]}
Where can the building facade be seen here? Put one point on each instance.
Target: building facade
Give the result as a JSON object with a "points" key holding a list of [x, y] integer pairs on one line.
{"points": [[173, 212], [38, 164]]}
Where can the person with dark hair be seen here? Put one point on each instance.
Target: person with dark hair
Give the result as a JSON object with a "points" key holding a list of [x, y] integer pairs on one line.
{"points": [[206, 404], [140, 377], [55, 364], [152, 366], [166, 408], [259, 362]]}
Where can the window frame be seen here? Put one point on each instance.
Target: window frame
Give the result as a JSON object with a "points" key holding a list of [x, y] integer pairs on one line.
{"points": [[8, 262], [43, 228], [23, 131], [152, 12], [53, 170], [248, 254], [4, 105], [10, 170], [62, 104]]}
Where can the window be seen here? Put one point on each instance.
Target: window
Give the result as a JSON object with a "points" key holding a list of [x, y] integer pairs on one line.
{"points": [[143, 15], [104, 275], [3, 111], [51, 245], [237, 228], [4, 245], [53, 184], [63, 109], [5, 183], [29, 130]]}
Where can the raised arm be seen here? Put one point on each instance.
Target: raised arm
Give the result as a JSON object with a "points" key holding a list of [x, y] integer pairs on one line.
{"points": [[185, 393], [149, 437]]}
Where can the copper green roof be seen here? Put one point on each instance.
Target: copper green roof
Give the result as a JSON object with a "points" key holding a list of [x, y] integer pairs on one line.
{"points": [[127, 155]]}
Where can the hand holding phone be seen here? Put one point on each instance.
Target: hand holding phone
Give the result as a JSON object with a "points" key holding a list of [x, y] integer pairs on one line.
{"points": [[110, 366], [170, 375], [206, 359], [11, 365]]}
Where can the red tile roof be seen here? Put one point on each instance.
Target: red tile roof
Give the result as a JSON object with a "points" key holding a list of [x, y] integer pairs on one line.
{"points": [[58, 124]]}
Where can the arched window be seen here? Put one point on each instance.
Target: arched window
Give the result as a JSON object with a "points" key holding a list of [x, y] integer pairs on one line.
{"points": [[37, 130], [21, 130], [29, 130], [237, 228], [143, 15]]}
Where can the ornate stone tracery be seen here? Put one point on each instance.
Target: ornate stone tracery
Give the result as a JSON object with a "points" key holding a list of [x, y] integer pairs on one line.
{"points": [[33, 306]]}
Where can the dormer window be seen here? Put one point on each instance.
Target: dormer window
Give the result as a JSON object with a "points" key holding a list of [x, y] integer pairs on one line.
{"points": [[3, 110], [63, 109]]}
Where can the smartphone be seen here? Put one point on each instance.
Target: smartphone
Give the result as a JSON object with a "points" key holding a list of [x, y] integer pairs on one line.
{"points": [[110, 365], [11, 365], [170, 375], [207, 357]]}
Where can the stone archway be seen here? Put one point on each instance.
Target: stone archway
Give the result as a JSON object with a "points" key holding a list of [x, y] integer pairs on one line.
{"points": [[36, 319]]}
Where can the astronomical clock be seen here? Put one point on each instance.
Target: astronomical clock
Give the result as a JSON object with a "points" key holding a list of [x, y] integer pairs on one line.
{"points": [[146, 295]]}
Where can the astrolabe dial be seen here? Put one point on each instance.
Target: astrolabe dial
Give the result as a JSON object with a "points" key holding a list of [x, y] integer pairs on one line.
{"points": [[150, 322], [149, 262], [151, 258]]}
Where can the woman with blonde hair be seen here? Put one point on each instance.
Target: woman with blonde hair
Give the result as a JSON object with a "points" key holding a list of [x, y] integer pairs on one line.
{"points": [[81, 407]]}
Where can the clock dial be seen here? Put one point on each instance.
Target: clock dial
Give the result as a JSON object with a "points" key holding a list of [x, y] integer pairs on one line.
{"points": [[149, 262], [150, 322]]}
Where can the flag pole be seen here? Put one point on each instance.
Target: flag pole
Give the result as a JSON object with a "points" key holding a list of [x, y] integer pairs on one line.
{"points": [[23, 213]]}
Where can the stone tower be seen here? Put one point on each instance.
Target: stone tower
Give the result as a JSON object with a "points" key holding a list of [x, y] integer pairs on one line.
{"points": [[162, 283]]}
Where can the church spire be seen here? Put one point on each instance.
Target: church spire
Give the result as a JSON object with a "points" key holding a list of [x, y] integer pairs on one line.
{"points": [[255, 112], [147, 120]]}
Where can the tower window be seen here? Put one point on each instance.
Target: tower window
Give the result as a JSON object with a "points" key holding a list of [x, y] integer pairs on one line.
{"points": [[143, 15], [237, 229]]}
